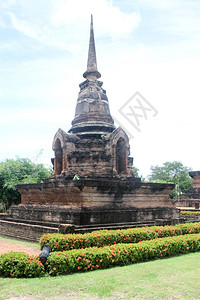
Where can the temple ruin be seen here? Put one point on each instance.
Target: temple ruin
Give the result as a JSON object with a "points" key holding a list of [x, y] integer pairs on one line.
{"points": [[191, 199], [92, 185]]}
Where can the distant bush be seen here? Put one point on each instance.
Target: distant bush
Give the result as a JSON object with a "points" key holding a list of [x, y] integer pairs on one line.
{"points": [[19, 264], [190, 213], [60, 263], [63, 242]]}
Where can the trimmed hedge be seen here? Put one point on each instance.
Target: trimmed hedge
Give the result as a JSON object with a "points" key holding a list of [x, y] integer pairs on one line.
{"points": [[190, 213], [101, 238], [20, 264], [60, 263]]}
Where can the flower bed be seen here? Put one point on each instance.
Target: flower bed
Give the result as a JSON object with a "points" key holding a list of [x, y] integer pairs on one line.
{"points": [[19, 264], [60, 263], [61, 242], [190, 213]]}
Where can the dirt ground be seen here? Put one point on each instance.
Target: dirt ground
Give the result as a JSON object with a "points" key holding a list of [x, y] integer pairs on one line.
{"points": [[8, 246]]}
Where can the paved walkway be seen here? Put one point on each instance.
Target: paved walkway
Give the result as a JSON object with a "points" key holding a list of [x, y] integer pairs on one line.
{"points": [[8, 246]]}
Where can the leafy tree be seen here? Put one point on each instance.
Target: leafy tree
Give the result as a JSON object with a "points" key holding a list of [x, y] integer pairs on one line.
{"points": [[172, 172], [18, 171], [135, 171]]}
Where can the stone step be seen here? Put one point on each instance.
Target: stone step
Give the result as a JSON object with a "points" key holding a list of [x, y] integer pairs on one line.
{"points": [[32, 222], [24, 231], [89, 228]]}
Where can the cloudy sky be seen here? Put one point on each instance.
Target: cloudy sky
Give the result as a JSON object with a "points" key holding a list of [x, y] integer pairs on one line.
{"points": [[146, 46]]}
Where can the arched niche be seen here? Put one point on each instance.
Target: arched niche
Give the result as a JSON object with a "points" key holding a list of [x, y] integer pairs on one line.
{"points": [[119, 143], [121, 156], [58, 162]]}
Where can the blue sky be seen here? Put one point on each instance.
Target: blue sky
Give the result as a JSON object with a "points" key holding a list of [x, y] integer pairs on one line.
{"points": [[152, 47]]}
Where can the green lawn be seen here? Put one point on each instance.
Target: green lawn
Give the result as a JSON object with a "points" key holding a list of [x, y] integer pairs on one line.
{"points": [[173, 278]]}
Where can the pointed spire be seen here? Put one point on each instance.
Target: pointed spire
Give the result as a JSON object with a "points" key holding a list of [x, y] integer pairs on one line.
{"points": [[92, 71]]}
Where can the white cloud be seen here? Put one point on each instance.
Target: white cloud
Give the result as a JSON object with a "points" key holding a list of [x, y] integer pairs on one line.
{"points": [[66, 22], [176, 18], [165, 4], [164, 71], [109, 20], [23, 26]]}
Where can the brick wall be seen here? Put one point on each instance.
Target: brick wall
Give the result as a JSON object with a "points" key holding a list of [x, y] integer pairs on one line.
{"points": [[24, 231]]}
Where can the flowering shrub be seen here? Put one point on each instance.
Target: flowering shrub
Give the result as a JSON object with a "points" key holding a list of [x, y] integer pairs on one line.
{"points": [[190, 213], [62, 242], [19, 264], [120, 254]]}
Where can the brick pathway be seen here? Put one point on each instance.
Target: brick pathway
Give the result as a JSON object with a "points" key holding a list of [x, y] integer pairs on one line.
{"points": [[8, 246]]}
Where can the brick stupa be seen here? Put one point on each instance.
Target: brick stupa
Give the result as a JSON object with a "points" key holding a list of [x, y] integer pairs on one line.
{"points": [[92, 147], [92, 185]]}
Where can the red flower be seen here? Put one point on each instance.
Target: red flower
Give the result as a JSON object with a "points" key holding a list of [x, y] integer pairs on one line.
{"points": [[54, 268]]}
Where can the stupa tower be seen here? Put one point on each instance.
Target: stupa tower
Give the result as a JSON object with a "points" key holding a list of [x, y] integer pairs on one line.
{"points": [[92, 147], [92, 115]]}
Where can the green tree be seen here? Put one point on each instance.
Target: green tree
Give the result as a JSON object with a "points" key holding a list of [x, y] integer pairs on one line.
{"points": [[135, 171], [172, 172], [18, 171]]}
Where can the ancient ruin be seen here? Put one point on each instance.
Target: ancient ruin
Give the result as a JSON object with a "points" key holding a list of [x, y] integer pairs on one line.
{"points": [[92, 185], [191, 199], [92, 147]]}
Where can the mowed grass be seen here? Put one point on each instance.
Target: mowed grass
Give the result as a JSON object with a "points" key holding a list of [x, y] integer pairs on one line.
{"points": [[172, 278]]}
